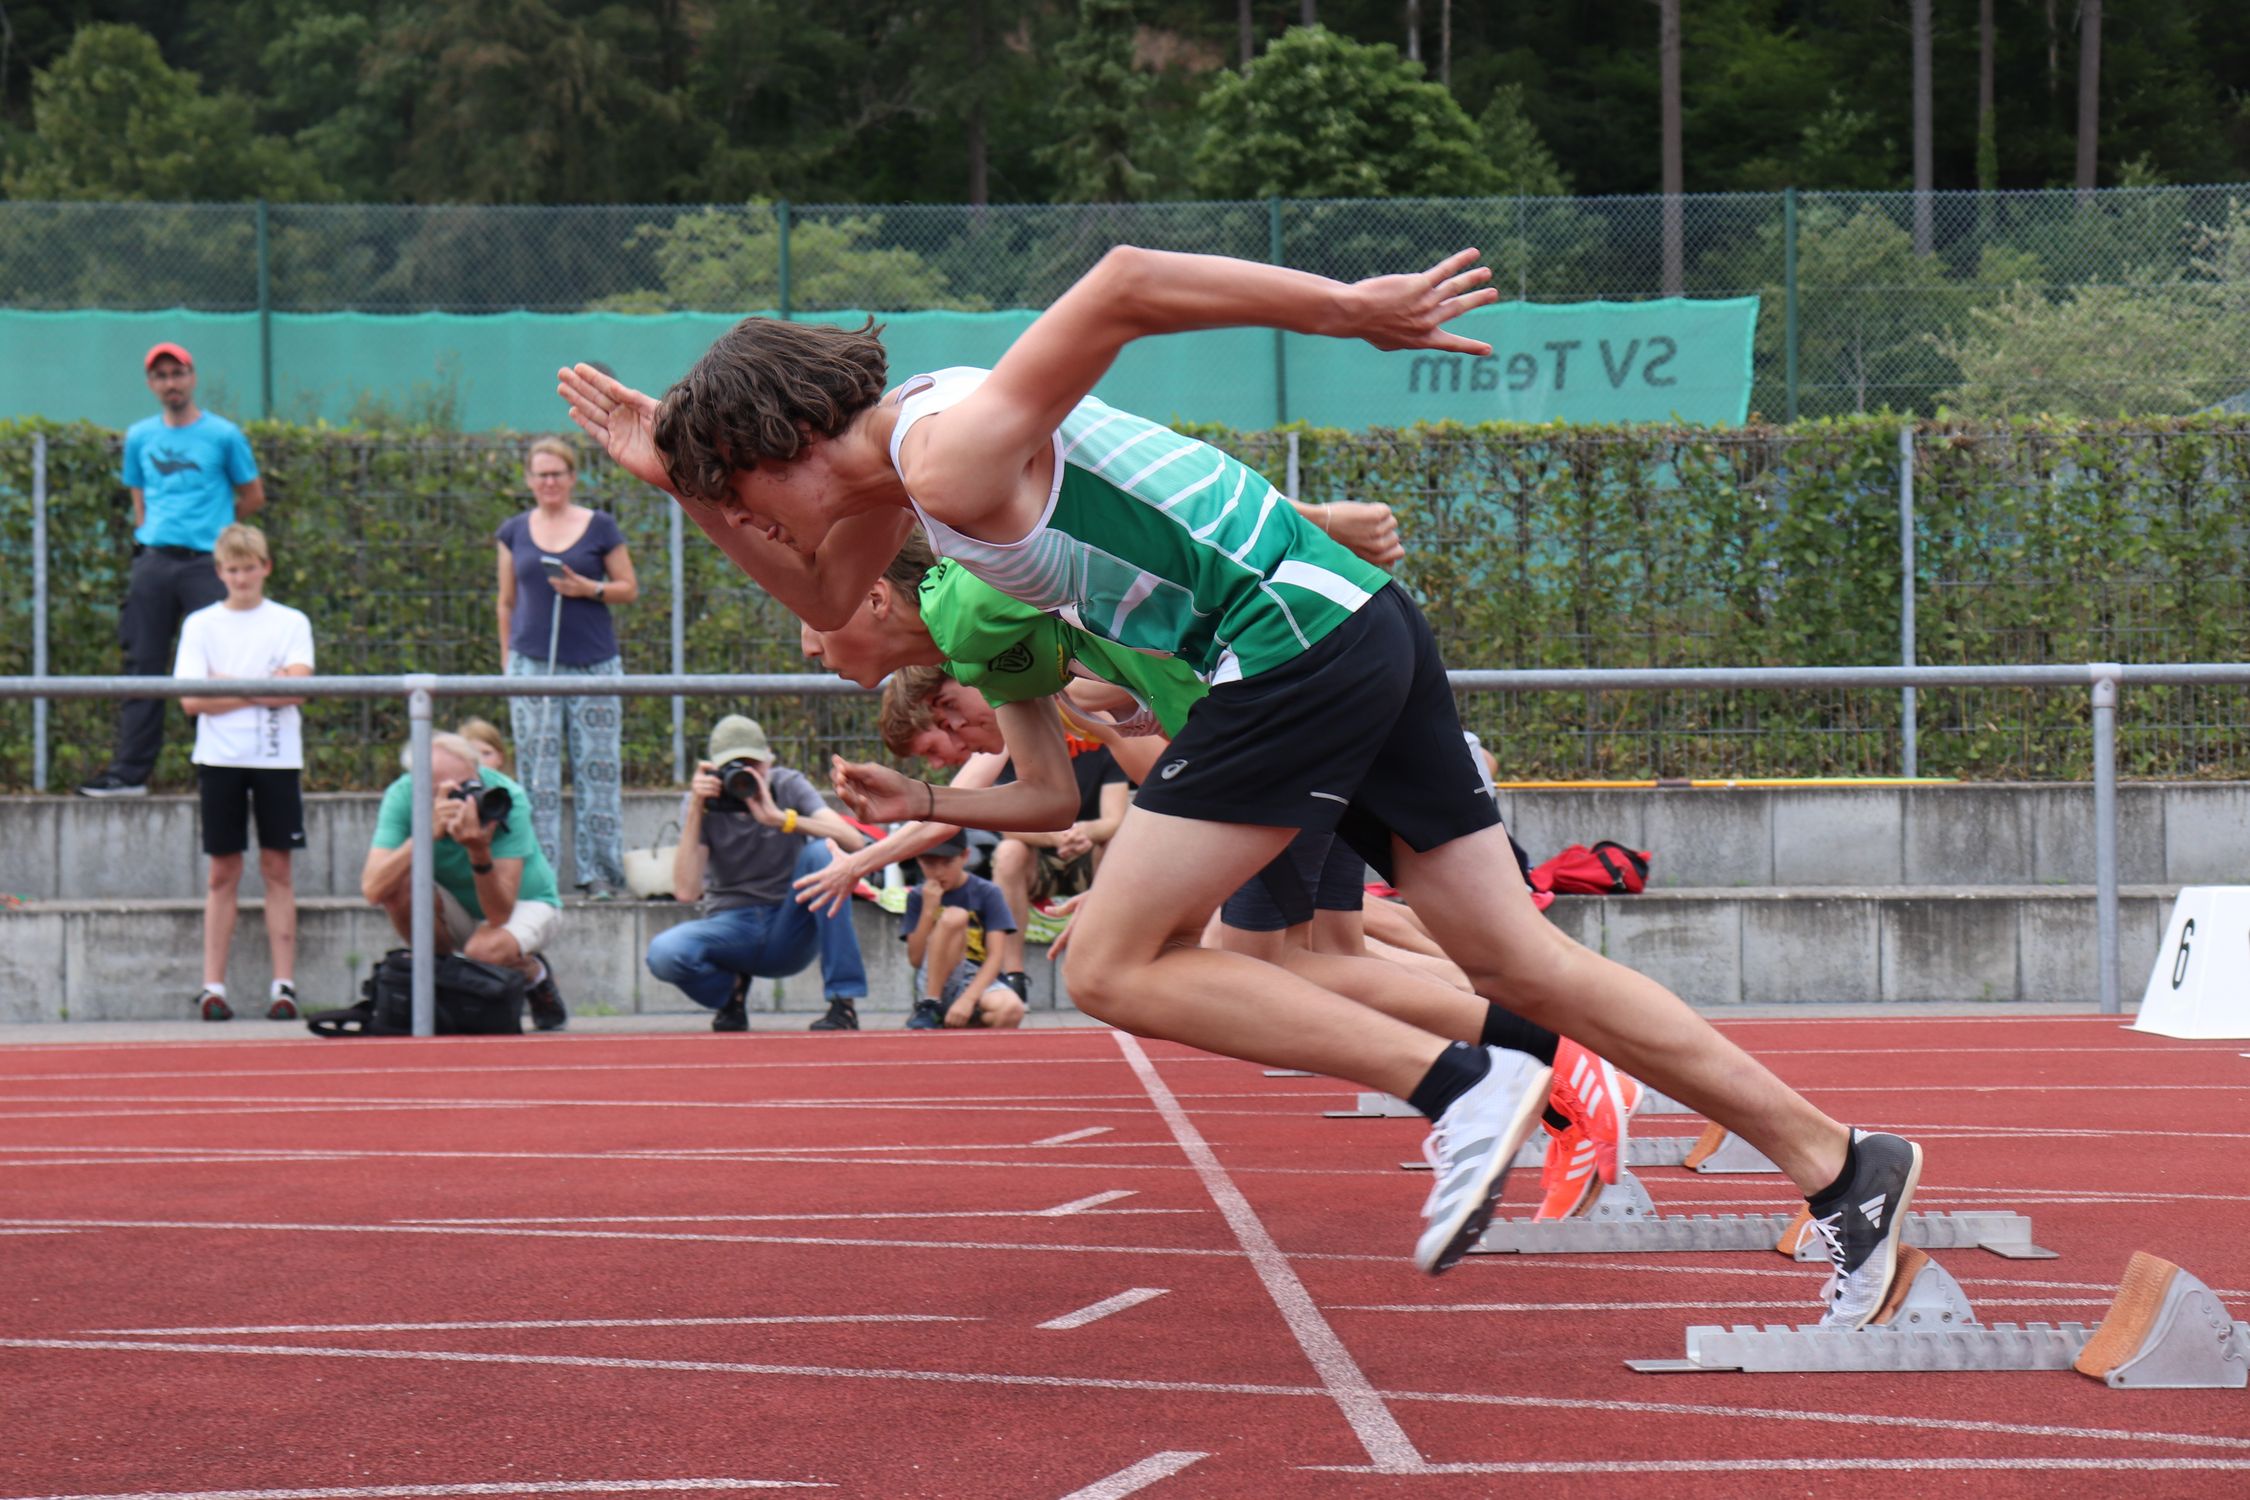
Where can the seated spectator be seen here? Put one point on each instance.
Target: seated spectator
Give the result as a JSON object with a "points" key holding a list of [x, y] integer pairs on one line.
{"points": [[952, 925], [497, 901], [748, 829], [492, 750]]}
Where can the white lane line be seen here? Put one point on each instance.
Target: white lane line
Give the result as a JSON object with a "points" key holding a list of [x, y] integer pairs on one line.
{"points": [[1139, 1477], [1371, 1421], [622, 1234], [1830, 1465], [1094, 1312], [405, 1491], [543, 1323], [1060, 1210], [478, 1101], [1922, 1423], [1087, 1204], [1075, 1135], [1804, 1305], [38, 1231], [753, 1157], [918, 1064]]}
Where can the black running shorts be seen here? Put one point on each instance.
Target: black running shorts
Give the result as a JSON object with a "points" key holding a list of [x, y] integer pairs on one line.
{"points": [[1317, 872], [228, 795], [1357, 736]]}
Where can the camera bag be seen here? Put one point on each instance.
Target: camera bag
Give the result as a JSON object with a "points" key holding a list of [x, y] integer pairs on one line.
{"points": [[473, 999]]}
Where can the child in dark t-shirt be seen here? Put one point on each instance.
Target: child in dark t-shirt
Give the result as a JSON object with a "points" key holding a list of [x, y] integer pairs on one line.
{"points": [[951, 927]]}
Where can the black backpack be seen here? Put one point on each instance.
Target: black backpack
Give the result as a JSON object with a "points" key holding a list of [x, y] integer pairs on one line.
{"points": [[473, 999]]}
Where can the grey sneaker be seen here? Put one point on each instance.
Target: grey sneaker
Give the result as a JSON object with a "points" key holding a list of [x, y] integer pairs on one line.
{"points": [[110, 784], [1864, 1229], [1470, 1148]]}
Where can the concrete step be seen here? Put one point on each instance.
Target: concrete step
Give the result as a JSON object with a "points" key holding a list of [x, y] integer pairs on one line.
{"points": [[127, 959], [1983, 835], [140, 959]]}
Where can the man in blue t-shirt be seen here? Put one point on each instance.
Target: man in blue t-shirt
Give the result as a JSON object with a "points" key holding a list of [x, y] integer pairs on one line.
{"points": [[191, 476]]}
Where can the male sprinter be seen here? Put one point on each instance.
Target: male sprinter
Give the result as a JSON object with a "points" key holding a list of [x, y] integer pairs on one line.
{"points": [[798, 467]]}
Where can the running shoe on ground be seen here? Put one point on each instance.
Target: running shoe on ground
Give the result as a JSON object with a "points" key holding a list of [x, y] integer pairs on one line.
{"points": [[213, 1007], [548, 1012], [1864, 1226], [1568, 1181], [735, 1014], [843, 1015], [1597, 1099], [1470, 1148], [110, 784], [928, 1016], [284, 1004]]}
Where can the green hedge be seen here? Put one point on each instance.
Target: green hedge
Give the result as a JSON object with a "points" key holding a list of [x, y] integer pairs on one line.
{"points": [[1528, 547]]}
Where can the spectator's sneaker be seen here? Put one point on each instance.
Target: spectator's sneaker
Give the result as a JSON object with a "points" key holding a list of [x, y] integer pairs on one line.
{"points": [[843, 1015], [928, 1016], [1470, 1148], [735, 1014], [1597, 1099], [1568, 1180], [1864, 1223], [545, 1001], [110, 784], [213, 1007], [284, 1004]]}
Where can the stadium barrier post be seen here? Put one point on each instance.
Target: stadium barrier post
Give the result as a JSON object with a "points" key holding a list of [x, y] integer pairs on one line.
{"points": [[422, 891], [679, 647], [265, 313], [1274, 253], [1293, 479], [1909, 737], [1789, 300], [39, 607], [2106, 675], [781, 228]]}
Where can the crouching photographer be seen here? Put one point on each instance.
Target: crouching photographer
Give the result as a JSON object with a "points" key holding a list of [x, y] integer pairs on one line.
{"points": [[748, 830], [497, 901]]}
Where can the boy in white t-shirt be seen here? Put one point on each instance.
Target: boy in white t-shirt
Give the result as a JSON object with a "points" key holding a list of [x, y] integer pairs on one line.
{"points": [[249, 753]]}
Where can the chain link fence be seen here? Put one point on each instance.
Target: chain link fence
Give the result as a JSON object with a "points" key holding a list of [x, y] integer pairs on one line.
{"points": [[2125, 300]]}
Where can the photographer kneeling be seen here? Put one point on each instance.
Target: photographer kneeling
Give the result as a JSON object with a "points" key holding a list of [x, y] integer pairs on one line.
{"points": [[748, 830], [497, 901]]}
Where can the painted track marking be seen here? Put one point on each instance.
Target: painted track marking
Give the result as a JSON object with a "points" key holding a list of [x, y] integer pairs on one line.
{"points": [[1130, 1297], [447, 1327], [1139, 1477], [405, 1491], [1075, 1135], [1914, 1423], [1837, 1465], [1371, 1421]]}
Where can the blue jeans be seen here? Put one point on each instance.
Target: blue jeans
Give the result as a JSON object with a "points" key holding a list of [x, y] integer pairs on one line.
{"points": [[707, 956]]}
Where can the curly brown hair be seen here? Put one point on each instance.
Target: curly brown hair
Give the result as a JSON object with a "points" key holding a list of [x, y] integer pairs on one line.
{"points": [[758, 392], [906, 707]]}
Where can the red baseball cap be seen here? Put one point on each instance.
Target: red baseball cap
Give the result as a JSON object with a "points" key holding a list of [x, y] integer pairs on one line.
{"points": [[161, 350]]}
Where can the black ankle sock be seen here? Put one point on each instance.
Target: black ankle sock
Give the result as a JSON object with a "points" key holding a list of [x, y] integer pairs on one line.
{"points": [[1459, 1068], [1843, 1180], [1504, 1028]]}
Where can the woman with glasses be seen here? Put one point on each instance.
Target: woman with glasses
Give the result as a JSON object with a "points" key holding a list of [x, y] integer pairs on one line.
{"points": [[560, 555]]}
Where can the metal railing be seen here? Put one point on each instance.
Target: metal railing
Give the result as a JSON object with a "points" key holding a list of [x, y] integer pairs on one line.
{"points": [[2103, 680]]}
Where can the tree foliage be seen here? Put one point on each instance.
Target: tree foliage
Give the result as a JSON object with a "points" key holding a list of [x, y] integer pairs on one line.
{"points": [[1099, 110]]}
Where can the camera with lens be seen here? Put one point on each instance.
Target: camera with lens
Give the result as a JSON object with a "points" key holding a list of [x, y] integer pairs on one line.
{"points": [[492, 803], [738, 785]]}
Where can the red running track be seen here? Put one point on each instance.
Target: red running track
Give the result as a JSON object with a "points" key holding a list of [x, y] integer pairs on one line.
{"points": [[1039, 1264]]}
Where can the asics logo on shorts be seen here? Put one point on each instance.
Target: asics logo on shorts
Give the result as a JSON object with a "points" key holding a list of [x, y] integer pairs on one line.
{"points": [[1172, 770]]}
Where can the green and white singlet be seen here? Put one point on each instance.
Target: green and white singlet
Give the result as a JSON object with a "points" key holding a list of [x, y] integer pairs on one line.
{"points": [[1158, 542]]}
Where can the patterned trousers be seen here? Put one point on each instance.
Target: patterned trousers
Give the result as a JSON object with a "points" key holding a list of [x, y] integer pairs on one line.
{"points": [[594, 726]]}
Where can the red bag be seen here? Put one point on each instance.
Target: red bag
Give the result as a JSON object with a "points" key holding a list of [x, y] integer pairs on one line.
{"points": [[1607, 869]]}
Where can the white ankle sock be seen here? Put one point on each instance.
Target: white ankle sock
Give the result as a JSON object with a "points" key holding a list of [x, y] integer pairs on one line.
{"points": [[216, 989], [280, 985]]}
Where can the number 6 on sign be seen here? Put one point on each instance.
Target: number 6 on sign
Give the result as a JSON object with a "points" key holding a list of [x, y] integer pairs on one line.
{"points": [[2200, 985]]}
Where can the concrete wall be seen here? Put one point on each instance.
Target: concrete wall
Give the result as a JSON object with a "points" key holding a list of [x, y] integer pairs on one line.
{"points": [[142, 960], [2176, 833]]}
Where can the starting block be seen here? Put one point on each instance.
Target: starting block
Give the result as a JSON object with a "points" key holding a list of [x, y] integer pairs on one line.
{"points": [[1640, 1151], [2166, 1330], [1623, 1220], [1384, 1107], [1720, 1151]]}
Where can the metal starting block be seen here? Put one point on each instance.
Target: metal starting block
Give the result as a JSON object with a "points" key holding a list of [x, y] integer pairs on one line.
{"points": [[1640, 1151], [1384, 1107], [1623, 1220], [1720, 1151], [2165, 1330]]}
